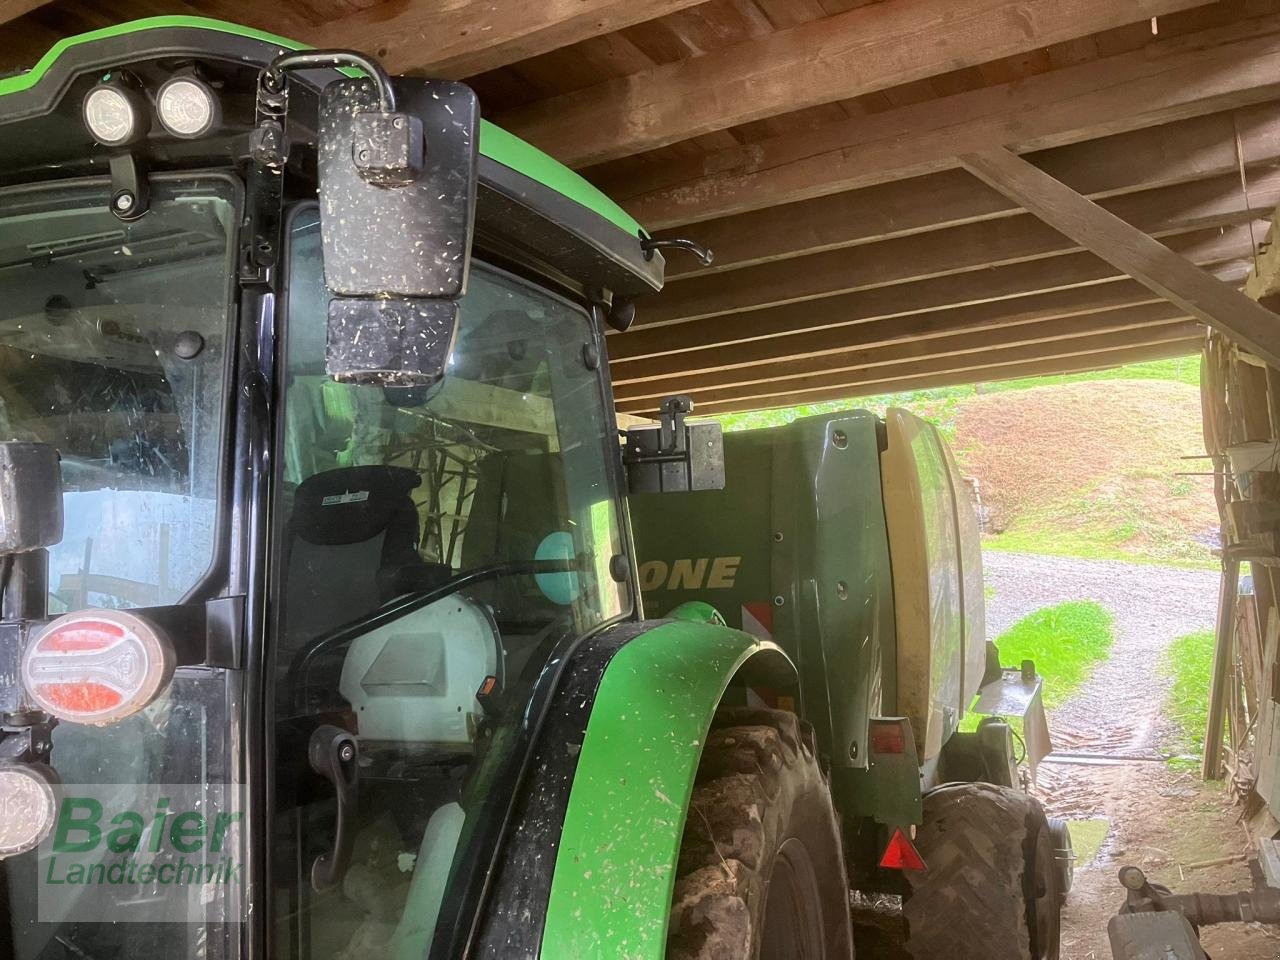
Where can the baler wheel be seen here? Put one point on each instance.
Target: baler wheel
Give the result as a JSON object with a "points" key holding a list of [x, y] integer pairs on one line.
{"points": [[991, 887], [761, 873]]}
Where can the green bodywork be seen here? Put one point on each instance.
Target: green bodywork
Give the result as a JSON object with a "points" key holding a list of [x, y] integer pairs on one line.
{"points": [[615, 869], [794, 547], [495, 143]]}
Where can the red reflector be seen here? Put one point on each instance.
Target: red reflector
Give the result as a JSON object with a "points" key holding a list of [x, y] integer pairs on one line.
{"points": [[901, 854], [84, 635], [80, 697], [887, 738]]}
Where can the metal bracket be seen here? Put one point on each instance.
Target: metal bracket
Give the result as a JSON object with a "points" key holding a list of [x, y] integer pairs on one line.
{"points": [[130, 190], [674, 455]]}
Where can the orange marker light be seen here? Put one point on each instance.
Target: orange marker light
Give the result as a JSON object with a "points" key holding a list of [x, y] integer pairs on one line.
{"points": [[901, 854]]}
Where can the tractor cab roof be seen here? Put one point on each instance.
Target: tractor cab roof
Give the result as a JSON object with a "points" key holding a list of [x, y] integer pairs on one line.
{"points": [[529, 204]]}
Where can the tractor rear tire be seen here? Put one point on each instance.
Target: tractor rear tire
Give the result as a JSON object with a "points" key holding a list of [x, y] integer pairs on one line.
{"points": [[761, 874], [991, 887]]}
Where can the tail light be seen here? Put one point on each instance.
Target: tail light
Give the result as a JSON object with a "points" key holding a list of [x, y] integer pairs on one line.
{"points": [[28, 806], [97, 666], [901, 853], [888, 736]]}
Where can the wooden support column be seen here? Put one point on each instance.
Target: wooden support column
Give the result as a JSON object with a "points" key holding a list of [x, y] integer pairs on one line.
{"points": [[1212, 768], [1125, 247]]}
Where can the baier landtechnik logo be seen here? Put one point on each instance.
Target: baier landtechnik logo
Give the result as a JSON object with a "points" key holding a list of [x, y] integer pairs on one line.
{"points": [[146, 853]]}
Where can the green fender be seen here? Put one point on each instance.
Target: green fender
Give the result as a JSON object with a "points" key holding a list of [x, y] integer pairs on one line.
{"points": [[615, 868]]}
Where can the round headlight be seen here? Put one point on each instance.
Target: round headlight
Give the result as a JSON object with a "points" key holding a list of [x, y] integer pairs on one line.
{"points": [[115, 114], [28, 806], [187, 107]]}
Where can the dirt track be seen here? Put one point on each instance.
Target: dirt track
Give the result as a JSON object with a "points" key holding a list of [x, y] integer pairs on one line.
{"points": [[1159, 818]]}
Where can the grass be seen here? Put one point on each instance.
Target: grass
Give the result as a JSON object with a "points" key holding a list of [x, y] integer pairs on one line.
{"points": [[1066, 641], [1189, 664], [1087, 838]]}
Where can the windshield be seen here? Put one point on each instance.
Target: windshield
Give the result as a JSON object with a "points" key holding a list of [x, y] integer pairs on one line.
{"points": [[488, 496], [113, 349]]}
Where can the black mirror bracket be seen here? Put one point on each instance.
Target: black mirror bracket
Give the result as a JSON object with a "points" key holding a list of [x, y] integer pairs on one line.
{"points": [[674, 456]]}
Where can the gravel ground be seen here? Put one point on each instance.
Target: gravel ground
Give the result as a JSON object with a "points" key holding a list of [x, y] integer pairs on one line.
{"points": [[1159, 819], [1119, 708]]}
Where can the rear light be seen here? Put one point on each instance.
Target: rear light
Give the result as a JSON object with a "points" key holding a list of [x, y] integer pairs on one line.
{"points": [[97, 666], [901, 853], [28, 806], [887, 736]]}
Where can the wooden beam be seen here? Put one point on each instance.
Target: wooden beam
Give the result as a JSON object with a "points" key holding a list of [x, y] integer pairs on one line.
{"points": [[819, 343], [13, 9], [999, 283], [1101, 360], [1129, 249], [1168, 80], [1264, 279], [1173, 153], [465, 37], [901, 345], [974, 246], [834, 58], [800, 389]]}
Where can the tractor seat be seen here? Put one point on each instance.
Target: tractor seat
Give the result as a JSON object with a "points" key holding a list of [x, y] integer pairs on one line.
{"points": [[352, 542]]}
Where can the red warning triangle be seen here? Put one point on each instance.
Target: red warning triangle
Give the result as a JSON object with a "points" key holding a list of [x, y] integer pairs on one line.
{"points": [[901, 853]]}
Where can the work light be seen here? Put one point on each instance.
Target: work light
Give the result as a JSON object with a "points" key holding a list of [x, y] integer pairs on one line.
{"points": [[28, 806], [187, 107], [116, 113]]}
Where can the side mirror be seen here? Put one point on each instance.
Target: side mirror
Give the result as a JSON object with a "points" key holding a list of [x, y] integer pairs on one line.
{"points": [[397, 212], [675, 456], [30, 497]]}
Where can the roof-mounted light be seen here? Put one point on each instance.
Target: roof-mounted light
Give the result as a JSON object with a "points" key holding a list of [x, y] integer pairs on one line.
{"points": [[116, 112], [97, 666], [28, 806], [187, 107]]}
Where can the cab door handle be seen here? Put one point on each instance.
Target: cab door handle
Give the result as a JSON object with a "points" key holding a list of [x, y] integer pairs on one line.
{"points": [[335, 755]]}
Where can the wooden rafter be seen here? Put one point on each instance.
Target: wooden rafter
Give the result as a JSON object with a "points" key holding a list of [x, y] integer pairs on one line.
{"points": [[1129, 249], [956, 341], [998, 283], [862, 50], [1167, 211], [802, 389], [1173, 153], [12, 9], [1039, 367], [466, 37], [811, 349], [1188, 76]]}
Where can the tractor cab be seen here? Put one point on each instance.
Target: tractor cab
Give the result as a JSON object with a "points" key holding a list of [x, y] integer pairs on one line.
{"points": [[311, 484]]}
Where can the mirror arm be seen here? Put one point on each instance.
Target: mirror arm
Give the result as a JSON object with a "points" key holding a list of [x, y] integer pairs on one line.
{"points": [[274, 75]]}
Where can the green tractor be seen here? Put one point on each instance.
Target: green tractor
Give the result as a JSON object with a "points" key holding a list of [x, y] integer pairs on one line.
{"points": [[322, 621]]}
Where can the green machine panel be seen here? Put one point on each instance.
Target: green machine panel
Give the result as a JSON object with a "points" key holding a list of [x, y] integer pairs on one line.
{"points": [[793, 549]]}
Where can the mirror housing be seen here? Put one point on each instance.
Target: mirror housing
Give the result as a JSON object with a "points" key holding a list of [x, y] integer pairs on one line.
{"points": [[397, 214], [674, 456], [30, 497]]}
